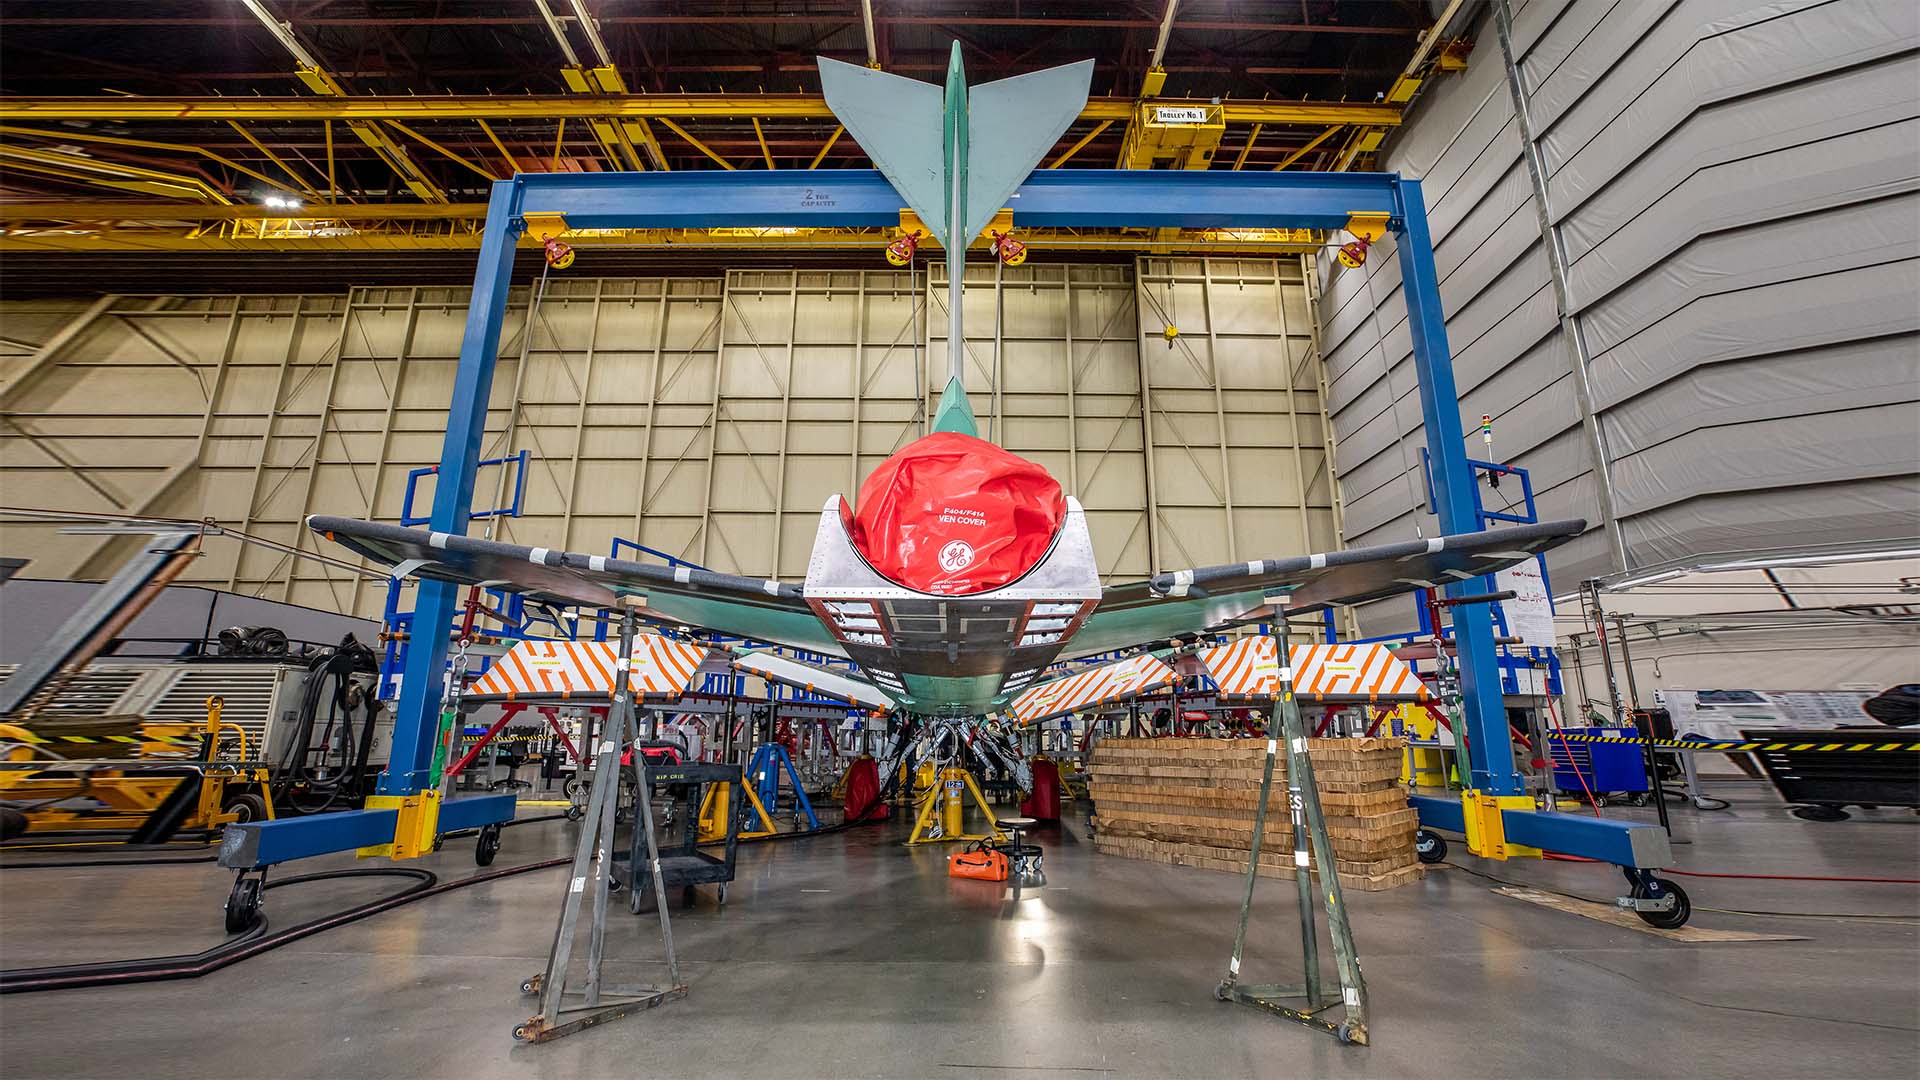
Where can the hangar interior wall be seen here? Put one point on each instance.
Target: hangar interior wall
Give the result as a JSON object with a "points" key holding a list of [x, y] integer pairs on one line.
{"points": [[706, 417], [1736, 184]]}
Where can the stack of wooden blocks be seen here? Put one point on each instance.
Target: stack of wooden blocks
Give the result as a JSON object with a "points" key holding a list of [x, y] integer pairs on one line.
{"points": [[1190, 802]]}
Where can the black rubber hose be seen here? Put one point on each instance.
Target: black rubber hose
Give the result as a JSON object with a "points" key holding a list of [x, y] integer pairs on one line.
{"points": [[255, 940], [69, 863], [330, 679]]}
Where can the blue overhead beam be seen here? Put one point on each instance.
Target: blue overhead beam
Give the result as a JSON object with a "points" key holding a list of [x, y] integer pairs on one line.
{"points": [[1063, 198]]}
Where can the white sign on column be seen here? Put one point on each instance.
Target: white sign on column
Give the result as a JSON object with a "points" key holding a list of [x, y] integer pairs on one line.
{"points": [[1530, 612]]}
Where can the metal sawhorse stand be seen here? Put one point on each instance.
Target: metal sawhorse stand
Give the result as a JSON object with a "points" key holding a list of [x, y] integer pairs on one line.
{"points": [[1309, 827], [591, 875]]}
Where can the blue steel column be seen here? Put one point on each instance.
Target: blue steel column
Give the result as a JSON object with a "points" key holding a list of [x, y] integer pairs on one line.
{"points": [[1490, 746], [417, 716]]}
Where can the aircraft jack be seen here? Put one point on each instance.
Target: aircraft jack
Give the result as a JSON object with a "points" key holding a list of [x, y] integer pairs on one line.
{"points": [[1309, 828], [591, 875], [943, 811], [763, 779], [716, 810]]}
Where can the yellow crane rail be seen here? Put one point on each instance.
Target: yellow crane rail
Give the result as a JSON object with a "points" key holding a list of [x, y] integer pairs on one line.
{"points": [[110, 226], [586, 106]]}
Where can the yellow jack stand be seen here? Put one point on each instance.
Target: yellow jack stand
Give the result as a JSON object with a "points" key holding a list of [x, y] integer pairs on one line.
{"points": [[1486, 829], [947, 799], [718, 804]]}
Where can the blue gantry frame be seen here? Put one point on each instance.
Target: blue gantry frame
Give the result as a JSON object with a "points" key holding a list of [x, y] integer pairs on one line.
{"points": [[1065, 198]]}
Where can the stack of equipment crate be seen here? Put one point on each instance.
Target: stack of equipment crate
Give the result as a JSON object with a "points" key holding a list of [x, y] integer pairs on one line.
{"points": [[1190, 802]]}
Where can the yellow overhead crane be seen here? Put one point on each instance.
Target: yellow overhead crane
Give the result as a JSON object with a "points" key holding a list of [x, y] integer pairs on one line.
{"points": [[164, 226], [583, 106]]}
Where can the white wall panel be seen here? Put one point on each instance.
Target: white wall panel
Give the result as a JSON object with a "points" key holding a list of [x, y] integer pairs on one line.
{"points": [[705, 417], [1736, 183]]}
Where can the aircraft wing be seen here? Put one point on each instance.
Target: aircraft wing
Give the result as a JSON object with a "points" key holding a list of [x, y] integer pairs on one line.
{"points": [[1211, 598], [754, 608], [1100, 685], [812, 678]]}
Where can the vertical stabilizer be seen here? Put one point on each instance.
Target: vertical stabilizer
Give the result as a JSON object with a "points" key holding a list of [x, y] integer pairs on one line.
{"points": [[955, 413], [955, 155]]}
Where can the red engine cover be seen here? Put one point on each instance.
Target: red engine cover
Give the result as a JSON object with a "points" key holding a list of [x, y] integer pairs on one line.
{"points": [[952, 514]]}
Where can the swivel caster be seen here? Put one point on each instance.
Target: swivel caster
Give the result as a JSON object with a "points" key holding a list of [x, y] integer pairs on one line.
{"points": [[488, 845], [1429, 846], [1654, 888], [533, 984], [523, 1033], [243, 904]]}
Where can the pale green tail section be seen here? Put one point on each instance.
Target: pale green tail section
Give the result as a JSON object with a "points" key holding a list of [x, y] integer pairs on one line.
{"points": [[955, 156], [955, 413]]}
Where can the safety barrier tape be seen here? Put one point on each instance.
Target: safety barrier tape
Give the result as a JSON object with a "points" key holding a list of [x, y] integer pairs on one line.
{"points": [[169, 739], [1693, 744]]}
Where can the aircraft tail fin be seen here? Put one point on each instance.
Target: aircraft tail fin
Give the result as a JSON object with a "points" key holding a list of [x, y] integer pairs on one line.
{"points": [[1012, 125], [930, 140], [899, 123]]}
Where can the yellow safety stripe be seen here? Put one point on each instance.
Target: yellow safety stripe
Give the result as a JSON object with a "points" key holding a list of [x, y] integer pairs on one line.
{"points": [[1687, 744], [37, 739]]}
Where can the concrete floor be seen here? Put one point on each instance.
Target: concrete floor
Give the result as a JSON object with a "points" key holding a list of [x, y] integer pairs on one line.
{"points": [[851, 955]]}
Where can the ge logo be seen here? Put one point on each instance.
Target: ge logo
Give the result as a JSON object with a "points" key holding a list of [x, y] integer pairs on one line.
{"points": [[957, 555]]}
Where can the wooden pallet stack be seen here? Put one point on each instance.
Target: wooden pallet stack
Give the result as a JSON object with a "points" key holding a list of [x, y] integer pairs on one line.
{"points": [[1190, 802]]}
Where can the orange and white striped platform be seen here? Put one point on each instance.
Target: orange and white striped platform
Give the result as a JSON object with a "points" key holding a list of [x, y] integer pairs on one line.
{"points": [[660, 667], [1250, 667], [1108, 682]]}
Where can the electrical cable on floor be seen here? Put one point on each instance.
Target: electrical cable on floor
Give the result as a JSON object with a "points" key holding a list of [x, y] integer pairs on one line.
{"points": [[1664, 988], [62, 864], [1558, 857], [256, 940], [1837, 915]]}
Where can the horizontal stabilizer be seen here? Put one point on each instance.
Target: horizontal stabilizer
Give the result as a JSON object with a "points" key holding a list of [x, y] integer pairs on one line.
{"points": [[898, 122], [1012, 125], [956, 155]]}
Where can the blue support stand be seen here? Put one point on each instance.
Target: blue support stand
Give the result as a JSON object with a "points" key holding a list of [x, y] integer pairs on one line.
{"points": [[763, 772], [1485, 712], [417, 717], [1064, 198]]}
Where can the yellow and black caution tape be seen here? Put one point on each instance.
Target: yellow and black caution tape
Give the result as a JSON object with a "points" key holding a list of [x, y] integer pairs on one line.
{"points": [[1693, 744], [97, 739]]}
